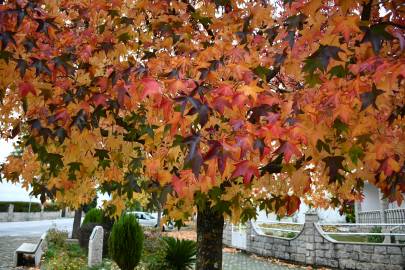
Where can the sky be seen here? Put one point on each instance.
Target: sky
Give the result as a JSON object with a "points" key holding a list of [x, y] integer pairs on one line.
{"points": [[9, 191]]}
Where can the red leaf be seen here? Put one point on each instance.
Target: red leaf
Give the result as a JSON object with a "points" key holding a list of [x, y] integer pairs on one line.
{"points": [[150, 88], [288, 150], [247, 170], [25, 88], [293, 204], [100, 99]]}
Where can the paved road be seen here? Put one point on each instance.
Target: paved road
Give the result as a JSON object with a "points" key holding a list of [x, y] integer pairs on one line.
{"points": [[34, 228]]}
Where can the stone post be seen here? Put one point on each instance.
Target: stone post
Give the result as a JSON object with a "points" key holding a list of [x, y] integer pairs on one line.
{"points": [[357, 210], [10, 213], [96, 247], [41, 214], [311, 217]]}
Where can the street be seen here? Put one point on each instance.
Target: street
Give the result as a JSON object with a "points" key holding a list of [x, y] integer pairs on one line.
{"points": [[34, 228]]}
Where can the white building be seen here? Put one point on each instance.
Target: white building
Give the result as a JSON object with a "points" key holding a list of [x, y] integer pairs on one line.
{"points": [[373, 209]]}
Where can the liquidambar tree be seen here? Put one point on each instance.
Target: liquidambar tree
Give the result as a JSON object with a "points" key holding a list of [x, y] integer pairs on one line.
{"points": [[222, 106]]}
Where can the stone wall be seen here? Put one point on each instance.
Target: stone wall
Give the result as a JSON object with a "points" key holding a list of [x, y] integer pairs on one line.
{"points": [[312, 247], [12, 216]]}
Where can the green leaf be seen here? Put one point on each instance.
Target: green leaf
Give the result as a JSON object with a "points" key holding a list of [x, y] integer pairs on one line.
{"points": [[322, 145], [340, 126], [355, 153], [124, 37], [338, 71]]}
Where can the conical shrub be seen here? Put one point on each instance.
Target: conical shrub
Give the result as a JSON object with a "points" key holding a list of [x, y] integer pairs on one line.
{"points": [[126, 242]]}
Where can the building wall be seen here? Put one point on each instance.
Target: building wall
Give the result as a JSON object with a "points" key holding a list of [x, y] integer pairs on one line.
{"points": [[371, 200]]}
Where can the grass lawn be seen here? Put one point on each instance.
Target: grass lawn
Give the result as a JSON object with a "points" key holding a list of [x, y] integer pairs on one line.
{"points": [[349, 238], [71, 257]]}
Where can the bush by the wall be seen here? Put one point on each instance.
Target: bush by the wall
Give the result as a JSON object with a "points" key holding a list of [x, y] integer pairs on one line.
{"points": [[180, 254], [21, 206], [126, 242], [3, 207], [51, 207], [375, 238], [95, 215]]}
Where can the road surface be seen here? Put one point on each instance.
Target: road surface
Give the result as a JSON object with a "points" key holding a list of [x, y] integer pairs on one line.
{"points": [[34, 228]]}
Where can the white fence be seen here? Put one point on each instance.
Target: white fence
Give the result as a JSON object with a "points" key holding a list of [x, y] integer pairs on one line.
{"points": [[386, 216]]}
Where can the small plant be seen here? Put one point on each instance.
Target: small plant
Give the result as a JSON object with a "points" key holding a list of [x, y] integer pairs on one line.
{"points": [[375, 238], [95, 215], [290, 235], [126, 242], [180, 254], [56, 237]]}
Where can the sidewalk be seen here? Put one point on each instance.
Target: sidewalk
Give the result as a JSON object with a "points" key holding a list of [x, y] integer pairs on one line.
{"points": [[8, 244]]}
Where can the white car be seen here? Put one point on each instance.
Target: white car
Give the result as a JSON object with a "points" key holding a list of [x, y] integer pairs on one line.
{"points": [[148, 220]]}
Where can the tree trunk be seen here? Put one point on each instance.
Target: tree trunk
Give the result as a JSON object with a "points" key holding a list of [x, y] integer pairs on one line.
{"points": [[210, 225], [76, 223], [159, 217]]}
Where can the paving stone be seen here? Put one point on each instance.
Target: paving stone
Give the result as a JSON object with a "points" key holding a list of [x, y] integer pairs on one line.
{"points": [[8, 245], [241, 261]]}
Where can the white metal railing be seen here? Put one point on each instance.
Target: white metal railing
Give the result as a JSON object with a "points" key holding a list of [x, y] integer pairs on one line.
{"points": [[390, 216], [353, 232], [370, 217], [395, 215]]}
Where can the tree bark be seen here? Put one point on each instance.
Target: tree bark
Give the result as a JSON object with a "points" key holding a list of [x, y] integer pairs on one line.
{"points": [[159, 217], [210, 225], [76, 223]]}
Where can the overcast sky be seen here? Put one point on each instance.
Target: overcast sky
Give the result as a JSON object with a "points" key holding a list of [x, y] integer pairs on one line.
{"points": [[8, 191]]}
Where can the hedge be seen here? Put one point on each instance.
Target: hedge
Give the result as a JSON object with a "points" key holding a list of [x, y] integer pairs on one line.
{"points": [[20, 206], [25, 206]]}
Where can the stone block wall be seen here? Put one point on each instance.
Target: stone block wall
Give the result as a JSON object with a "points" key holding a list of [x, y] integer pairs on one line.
{"points": [[312, 247], [12, 216]]}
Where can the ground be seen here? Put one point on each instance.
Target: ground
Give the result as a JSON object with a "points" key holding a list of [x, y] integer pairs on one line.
{"points": [[13, 234]]}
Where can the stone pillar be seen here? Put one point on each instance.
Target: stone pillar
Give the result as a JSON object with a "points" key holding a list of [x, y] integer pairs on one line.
{"points": [[41, 214], [96, 247], [311, 217], [384, 206], [10, 213], [357, 210]]}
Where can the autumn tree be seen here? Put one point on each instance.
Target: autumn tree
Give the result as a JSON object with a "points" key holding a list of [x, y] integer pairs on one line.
{"points": [[233, 106]]}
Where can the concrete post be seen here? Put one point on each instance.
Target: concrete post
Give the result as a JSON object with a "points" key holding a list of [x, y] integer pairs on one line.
{"points": [[10, 213], [357, 210], [311, 217], [41, 214], [96, 247]]}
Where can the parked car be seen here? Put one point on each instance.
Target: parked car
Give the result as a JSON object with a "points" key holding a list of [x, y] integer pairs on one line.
{"points": [[148, 220]]}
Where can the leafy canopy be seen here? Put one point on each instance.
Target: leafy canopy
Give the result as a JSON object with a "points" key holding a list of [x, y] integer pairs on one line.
{"points": [[244, 103]]}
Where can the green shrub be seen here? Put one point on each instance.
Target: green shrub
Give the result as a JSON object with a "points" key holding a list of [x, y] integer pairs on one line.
{"points": [[126, 242], [94, 215], [180, 254], [153, 256], [56, 237], [375, 238], [290, 235], [51, 207]]}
